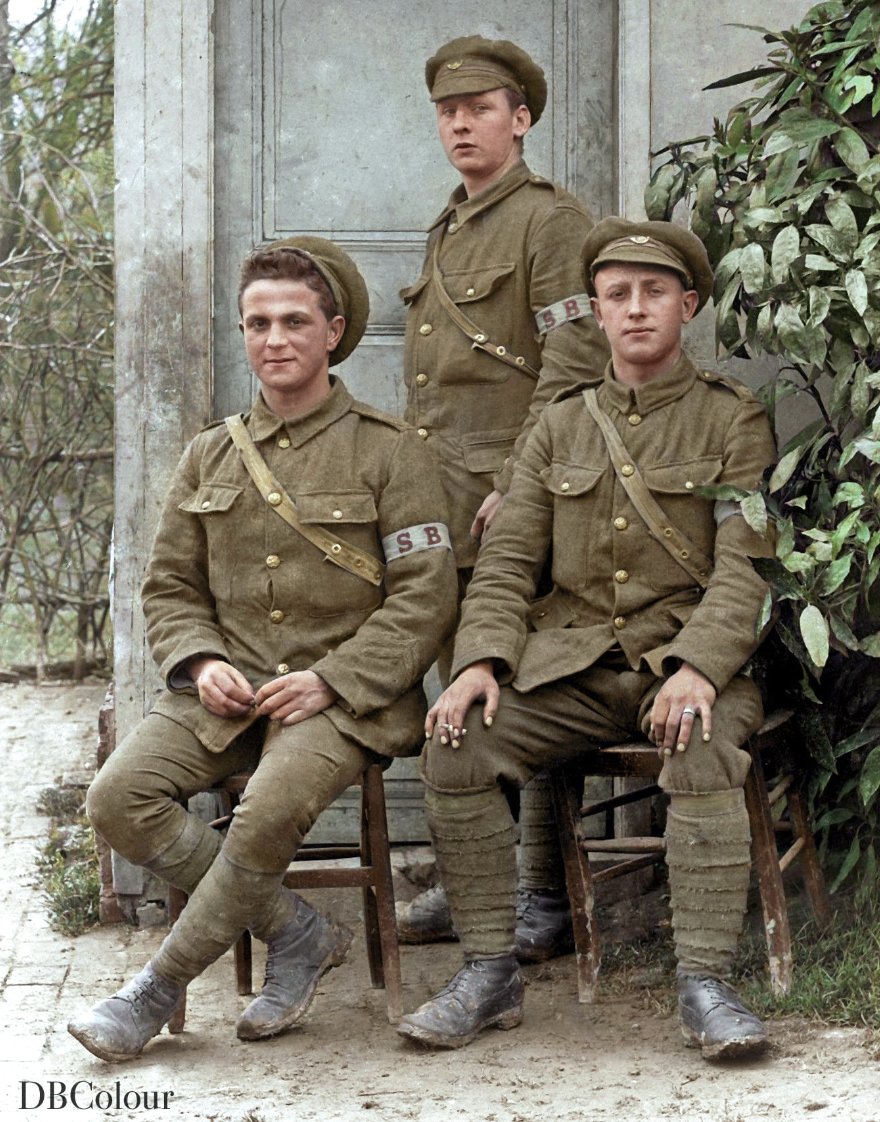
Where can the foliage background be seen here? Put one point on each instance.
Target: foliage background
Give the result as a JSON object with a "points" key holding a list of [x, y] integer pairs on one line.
{"points": [[56, 337], [786, 196]]}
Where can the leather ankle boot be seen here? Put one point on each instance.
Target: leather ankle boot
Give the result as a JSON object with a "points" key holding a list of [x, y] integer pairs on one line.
{"points": [[305, 949], [426, 918], [543, 924], [485, 992], [714, 1019], [118, 1027]]}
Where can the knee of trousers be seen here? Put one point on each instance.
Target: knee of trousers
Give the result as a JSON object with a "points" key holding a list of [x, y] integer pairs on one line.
{"points": [[719, 764], [445, 768]]}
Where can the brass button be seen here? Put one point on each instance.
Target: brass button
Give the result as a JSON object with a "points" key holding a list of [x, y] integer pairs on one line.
{"points": [[337, 513], [620, 523], [421, 380], [273, 498], [689, 485], [452, 227], [273, 561], [634, 419], [565, 486], [282, 668], [520, 361], [425, 329], [423, 433], [480, 337], [276, 616], [501, 350], [470, 292], [621, 576], [206, 504], [284, 442], [620, 621], [627, 469]]}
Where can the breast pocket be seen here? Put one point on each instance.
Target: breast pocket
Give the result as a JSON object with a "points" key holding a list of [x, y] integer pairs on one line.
{"points": [[485, 296], [574, 519], [485, 452], [350, 515], [216, 504], [674, 486]]}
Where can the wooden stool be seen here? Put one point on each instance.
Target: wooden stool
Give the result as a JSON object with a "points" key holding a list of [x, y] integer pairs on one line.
{"points": [[372, 876], [640, 759]]}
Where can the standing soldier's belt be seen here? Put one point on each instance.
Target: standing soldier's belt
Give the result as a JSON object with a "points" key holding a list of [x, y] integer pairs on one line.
{"points": [[346, 556], [676, 543], [479, 338]]}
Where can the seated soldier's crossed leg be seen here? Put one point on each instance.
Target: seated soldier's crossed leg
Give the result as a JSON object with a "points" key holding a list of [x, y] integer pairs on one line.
{"points": [[707, 838], [137, 804]]}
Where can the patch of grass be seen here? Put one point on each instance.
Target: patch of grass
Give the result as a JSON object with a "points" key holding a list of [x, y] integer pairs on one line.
{"points": [[67, 863], [836, 971]]}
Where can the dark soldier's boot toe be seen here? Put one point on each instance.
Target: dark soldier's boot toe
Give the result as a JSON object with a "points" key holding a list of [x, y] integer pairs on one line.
{"points": [[298, 956], [543, 925], [426, 918], [714, 1020], [486, 992], [118, 1028]]}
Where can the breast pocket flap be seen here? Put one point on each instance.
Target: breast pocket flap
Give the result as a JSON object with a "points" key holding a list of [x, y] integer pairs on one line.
{"points": [[211, 498], [570, 480], [683, 477], [336, 507]]}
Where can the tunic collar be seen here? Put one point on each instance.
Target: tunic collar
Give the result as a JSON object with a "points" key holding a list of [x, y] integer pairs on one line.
{"points": [[660, 391], [460, 208], [263, 423]]}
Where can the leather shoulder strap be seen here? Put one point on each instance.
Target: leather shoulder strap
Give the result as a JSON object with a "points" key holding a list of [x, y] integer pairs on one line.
{"points": [[346, 556], [479, 338], [676, 543]]}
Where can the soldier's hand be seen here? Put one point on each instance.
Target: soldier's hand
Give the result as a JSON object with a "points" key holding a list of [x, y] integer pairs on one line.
{"points": [[485, 516], [294, 697], [686, 695], [449, 711], [223, 690]]}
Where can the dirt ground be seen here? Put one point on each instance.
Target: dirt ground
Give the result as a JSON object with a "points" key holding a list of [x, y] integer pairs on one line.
{"points": [[621, 1058]]}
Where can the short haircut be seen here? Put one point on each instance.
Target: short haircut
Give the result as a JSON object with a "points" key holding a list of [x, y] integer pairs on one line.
{"points": [[515, 98], [287, 263], [667, 269]]}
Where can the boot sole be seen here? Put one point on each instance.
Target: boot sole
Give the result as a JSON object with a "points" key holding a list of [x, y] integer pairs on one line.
{"points": [[81, 1035], [507, 1020], [335, 957], [725, 1049]]}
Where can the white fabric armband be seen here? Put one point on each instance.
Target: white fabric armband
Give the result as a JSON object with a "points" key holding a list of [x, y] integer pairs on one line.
{"points": [[724, 509], [563, 311], [413, 539]]}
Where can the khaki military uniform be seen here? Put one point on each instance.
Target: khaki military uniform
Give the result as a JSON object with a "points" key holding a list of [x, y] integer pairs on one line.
{"points": [[584, 663], [509, 257], [228, 578]]}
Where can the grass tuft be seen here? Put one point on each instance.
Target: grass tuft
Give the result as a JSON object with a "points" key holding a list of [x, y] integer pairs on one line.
{"points": [[67, 863]]}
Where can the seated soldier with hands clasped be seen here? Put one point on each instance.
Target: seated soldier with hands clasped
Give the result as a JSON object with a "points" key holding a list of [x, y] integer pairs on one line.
{"points": [[652, 615], [300, 584]]}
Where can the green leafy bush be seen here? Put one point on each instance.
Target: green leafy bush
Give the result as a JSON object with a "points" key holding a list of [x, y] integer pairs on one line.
{"points": [[786, 196]]}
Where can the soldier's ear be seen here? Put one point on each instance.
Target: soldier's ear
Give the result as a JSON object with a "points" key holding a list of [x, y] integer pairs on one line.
{"points": [[690, 299], [335, 331], [522, 121], [594, 307]]}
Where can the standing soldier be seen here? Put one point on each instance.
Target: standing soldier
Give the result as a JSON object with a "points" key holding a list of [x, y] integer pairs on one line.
{"points": [[497, 325], [300, 585]]}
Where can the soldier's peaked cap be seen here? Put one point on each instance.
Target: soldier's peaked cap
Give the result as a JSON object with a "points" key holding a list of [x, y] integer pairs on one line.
{"points": [[648, 243], [473, 65], [345, 282]]}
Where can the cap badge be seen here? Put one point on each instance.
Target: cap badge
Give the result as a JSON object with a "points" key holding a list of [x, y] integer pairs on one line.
{"points": [[454, 65], [639, 239]]}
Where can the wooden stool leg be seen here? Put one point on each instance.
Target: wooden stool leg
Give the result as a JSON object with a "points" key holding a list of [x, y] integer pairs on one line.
{"points": [[766, 861], [814, 881], [371, 910], [244, 964], [383, 892], [579, 882]]}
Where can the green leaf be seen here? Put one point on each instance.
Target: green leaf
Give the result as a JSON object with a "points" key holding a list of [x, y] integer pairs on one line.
{"points": [[871, 645], [851, 493], [869, 781], [792, 333], [852, 149], [840, 215], [837, 244], [786, 249], [657, 193], [797, 562], [843, 633], [726, 268], [742, 77], [835, 574], [754, 510], [870, 449], [820, 302], [785, 469], [862, 86], [783, 172], [819, 263], [857, 290], [849, 863], [814, 632], [752, 268], [834, 817]]}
